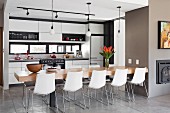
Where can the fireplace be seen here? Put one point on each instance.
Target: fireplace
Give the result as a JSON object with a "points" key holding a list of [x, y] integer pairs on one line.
{"points": [[162, 71]]}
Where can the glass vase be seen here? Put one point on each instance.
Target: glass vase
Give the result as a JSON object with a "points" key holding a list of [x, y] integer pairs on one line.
{"points": [[106, 63]]}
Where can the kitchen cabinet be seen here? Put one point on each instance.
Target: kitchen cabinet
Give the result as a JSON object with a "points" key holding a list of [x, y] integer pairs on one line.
{"points": [[44, 27], [71, 63], [17, 66], [73, 28], [96, 44], [96, 28], [47, 37], [23, 25]]}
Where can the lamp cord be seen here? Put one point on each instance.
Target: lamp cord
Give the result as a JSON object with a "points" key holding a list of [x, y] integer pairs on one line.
{"points": [[52, 15], [88, 17], [119, 21]]}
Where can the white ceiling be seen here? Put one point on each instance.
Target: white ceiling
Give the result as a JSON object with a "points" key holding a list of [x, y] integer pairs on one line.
{"points": [[103, 9]]}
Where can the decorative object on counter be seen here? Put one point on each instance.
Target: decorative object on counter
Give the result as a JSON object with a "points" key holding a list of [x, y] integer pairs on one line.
{"points": [[52, 32], [78, 54], [53, 55], [17, 57], [107, 53], [34, 67], [66, 55], [88, 34]]}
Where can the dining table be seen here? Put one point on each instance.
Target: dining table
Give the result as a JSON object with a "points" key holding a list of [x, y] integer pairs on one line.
{"points": [[26, 76]]}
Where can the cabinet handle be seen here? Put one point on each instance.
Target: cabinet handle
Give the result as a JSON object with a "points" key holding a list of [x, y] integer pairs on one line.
{"points": [[93, 63], [93, 57]]}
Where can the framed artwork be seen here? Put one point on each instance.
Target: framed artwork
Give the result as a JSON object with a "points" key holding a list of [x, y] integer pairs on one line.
{"points": [[163, 34]]}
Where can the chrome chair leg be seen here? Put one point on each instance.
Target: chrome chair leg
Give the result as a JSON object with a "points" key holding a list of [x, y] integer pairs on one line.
{"points": [[128, 91], [146, 89], [64, 102], [32, 102], [106, 95], [132, 88]]}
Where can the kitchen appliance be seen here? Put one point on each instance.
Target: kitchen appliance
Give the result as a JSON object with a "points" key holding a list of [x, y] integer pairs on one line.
{"points": [[78, 54], [53, 63]]}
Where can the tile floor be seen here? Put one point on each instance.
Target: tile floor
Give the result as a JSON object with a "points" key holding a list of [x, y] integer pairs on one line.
{"points": [[11, 102]]}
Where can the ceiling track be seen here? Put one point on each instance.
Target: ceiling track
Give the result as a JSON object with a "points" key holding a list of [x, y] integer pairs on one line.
{"points": [[28, 8]]}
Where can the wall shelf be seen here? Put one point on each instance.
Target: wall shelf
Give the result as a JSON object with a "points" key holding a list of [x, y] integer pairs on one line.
{"points": [[16, 35], [73, 37]]}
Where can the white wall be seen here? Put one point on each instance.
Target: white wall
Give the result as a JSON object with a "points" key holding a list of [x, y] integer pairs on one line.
{"points": [[119, 42], [158, 10], [6, 50]]}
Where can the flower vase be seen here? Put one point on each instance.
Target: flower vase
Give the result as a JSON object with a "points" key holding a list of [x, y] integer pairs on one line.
{"points": [[107, 63]]}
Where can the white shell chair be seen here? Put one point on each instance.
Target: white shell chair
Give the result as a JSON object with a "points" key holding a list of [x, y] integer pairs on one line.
{"points": [[98, 81], [138, 78], [45, 84], [120, 79], [73, 83]]}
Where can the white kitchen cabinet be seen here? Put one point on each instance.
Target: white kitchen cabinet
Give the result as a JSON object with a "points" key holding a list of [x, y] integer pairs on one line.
{"points": [[73, 28], [96, 28], [13, 67], [47, 37], [71, 63], [45, 27], [96, 44], [23, 25]]}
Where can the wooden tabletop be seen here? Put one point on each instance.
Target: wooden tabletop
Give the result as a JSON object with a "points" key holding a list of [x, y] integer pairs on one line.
{"points": [[25, 76]]}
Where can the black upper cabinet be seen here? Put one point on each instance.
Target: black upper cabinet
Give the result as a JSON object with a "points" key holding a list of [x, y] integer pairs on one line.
{"points": [[16, 35], [73, 37]]}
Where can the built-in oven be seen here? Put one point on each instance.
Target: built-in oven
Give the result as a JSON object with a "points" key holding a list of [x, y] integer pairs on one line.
{"points": [[55, 62]]}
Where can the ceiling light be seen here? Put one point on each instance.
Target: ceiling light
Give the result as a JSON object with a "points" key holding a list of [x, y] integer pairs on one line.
{"points": [[27, 12], [56, 16], [52, 32], [119, 19], [88, 34]]}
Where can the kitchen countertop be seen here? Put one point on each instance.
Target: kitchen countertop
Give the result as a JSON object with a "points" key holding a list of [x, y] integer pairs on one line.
{"points": [[33, 60]]}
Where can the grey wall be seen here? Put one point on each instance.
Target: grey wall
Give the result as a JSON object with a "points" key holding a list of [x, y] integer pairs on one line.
{"points": [[136, 37], [158, 10]]}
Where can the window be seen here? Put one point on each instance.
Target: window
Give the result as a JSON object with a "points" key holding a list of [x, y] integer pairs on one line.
{"points": [[37, 48], [56, 48], [52, 48], [16, 48], [68, 48], [75, 47]]}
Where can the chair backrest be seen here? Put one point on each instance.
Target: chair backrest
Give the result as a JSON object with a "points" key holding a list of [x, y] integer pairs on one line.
{"points": [[93, 66], [120, 77], [45, 84], [98, 79], [139, 76], [73, 81]]}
